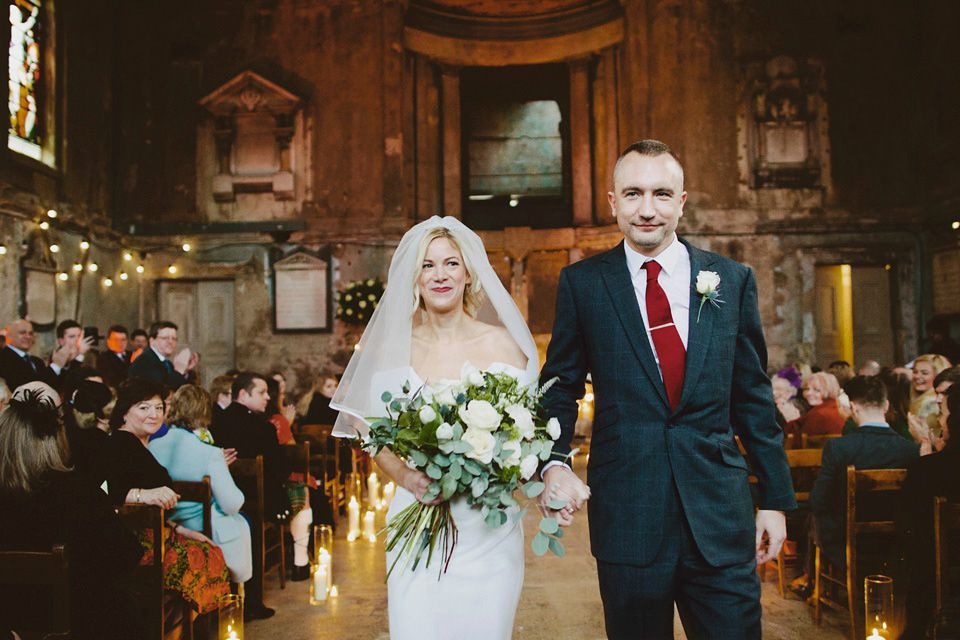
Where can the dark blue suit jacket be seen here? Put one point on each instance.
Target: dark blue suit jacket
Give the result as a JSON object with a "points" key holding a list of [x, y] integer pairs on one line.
{"points": [[148, 365], [640, 447]]}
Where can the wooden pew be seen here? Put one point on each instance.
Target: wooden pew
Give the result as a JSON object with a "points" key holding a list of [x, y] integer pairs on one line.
{"points": [[946, 521], [198, 492], [49, 571], [325, 463], [248, 474]]}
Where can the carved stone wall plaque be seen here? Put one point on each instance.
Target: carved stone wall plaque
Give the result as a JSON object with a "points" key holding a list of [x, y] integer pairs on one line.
{"points": [[302, 300]]}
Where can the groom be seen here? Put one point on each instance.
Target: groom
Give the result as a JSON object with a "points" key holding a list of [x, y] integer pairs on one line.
{"points": [[675, 376]]}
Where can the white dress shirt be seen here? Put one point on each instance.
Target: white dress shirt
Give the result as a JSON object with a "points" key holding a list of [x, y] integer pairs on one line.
{"points": [[674, 279]]}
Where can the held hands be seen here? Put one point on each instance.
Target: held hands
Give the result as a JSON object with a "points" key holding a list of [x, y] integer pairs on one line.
{"points": [[774, 525], [562, 484]]}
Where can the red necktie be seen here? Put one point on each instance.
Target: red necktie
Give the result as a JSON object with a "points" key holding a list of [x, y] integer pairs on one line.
{"points": [[666, 338]]}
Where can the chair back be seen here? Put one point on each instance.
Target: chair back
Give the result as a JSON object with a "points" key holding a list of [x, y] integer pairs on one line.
{"points": [[299, 455], [325, 462], [198, 492], [802, 463], [946, 520], [816, 441], [248, 475], [146, 580], [49, 571]]}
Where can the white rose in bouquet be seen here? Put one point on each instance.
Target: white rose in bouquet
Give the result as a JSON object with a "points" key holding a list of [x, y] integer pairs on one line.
{"points": [[479, 414], [446, 391], [427, 414], [529, 466], [510, 453], [470, 376], [482, 442], [522, 417], [445, 432], [553, 428]]}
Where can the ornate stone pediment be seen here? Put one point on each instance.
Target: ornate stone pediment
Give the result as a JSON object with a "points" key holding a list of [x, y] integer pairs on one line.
{"points": [[254, 130], [249, 92]]}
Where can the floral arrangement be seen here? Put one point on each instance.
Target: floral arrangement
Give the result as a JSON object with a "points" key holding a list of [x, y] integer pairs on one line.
{"points": [[479, 437], [356, 303]]}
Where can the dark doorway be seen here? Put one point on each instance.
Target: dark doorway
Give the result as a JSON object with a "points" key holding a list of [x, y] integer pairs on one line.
{"points": [[516, 146]]}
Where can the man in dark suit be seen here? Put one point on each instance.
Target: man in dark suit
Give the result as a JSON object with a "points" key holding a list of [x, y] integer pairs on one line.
{"points": [[155, 361], [72, 342], [17, 366], [874, 445], [671, 336], [244, 427], [114, 363]]}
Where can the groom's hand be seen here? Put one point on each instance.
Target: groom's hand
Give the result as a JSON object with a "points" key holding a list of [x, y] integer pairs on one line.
{"points": [[774, 525], [562, 484]]}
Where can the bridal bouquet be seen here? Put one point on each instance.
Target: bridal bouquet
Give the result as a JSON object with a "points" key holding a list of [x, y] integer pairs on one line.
{"points": [[479, 437]]}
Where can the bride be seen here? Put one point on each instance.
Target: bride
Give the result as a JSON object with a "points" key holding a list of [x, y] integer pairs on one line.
{"points": [[444, 307]]}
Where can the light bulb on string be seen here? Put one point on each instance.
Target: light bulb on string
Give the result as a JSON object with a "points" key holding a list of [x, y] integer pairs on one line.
{"points": [[123, 275], [54, 248], [84, 245], [63, 276], [77, 266], [107, 282], [140, 268], [127, 256], [3, 249], [172, 269], [92, 267], [44, 225], [186, 246], [52, 213]]}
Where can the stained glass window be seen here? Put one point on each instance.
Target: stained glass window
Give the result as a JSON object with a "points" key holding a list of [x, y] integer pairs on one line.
{"points": [[25, 134]]}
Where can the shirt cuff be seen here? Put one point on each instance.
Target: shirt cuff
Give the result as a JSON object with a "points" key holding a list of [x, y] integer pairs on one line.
{"points": [[553, 463], [79, 357], [56, 368]]}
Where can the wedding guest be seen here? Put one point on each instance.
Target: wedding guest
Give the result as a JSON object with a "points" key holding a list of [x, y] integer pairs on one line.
{"points": [[842, 371], [937, 474], [17, 366], [4, 393], [315, 406], [898, 388], [280, 415], [869, 368], [874, 445], [820, 390], [158, 362], [139, 340], [925, 369], [72, 341], [114, 364], [187, 455], [784, 392], [242, 426], [87, 417], [43, 504], [134, 476], [220, 390]]}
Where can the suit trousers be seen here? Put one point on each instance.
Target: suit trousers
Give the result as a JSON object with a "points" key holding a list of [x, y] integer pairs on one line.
{"points": [[715, 603]]}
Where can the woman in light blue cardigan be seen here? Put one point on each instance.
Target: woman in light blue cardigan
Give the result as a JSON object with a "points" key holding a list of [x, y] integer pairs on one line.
{"points": [[185, 455]]}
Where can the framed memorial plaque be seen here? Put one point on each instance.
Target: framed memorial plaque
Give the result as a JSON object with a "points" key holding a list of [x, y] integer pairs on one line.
{"points": [[301, 293], [40, 297]]}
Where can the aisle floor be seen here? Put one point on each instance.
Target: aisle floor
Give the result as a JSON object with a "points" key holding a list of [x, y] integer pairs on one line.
{"points": [[560, 599]]}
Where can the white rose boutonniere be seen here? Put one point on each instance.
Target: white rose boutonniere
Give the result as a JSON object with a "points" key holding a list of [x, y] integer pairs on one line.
{"points": [[708, 285]]}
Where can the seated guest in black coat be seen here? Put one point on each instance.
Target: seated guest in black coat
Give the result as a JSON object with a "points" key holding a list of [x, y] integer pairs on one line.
{"points": [[157, 361], [44, 504], [221, 390], [243, 426], [87, 416], [17, 366], [937, 474], [874, 445], [114, 363]]}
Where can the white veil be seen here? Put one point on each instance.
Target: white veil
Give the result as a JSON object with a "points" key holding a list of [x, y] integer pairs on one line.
{"points": [[384, 347]]}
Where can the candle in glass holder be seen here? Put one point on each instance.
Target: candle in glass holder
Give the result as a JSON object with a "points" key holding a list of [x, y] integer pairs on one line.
{"points": [[333, 591], [368, 531], [322, 539], [373, 490], [318, 586], [353, 519], [352, 487], [325, 560], [231, 617], [878, 601]]}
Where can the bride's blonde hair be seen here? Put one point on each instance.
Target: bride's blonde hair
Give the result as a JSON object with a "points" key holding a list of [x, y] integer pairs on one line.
{"points": [[473, 296]]}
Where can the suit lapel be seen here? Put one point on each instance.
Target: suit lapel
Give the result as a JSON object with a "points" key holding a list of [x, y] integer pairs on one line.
{"points": [[616, 279], [698, 340]]}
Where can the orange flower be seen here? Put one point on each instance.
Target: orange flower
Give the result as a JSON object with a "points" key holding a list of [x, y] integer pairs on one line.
{"points": [[170, 559]]}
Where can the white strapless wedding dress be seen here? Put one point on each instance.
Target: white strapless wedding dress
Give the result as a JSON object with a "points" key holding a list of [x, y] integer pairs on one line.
{"points": [[476, 599]]}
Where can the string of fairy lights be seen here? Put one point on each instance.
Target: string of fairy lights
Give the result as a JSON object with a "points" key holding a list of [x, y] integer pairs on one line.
{"points": [[132, 261]]}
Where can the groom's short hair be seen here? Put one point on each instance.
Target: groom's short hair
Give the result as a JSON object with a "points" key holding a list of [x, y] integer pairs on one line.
{"points": [[867, 391], [650, 148]]}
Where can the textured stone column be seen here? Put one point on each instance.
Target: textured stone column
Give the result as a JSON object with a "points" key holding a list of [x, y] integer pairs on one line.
{"points": [[450, 89], [580, 144]]}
